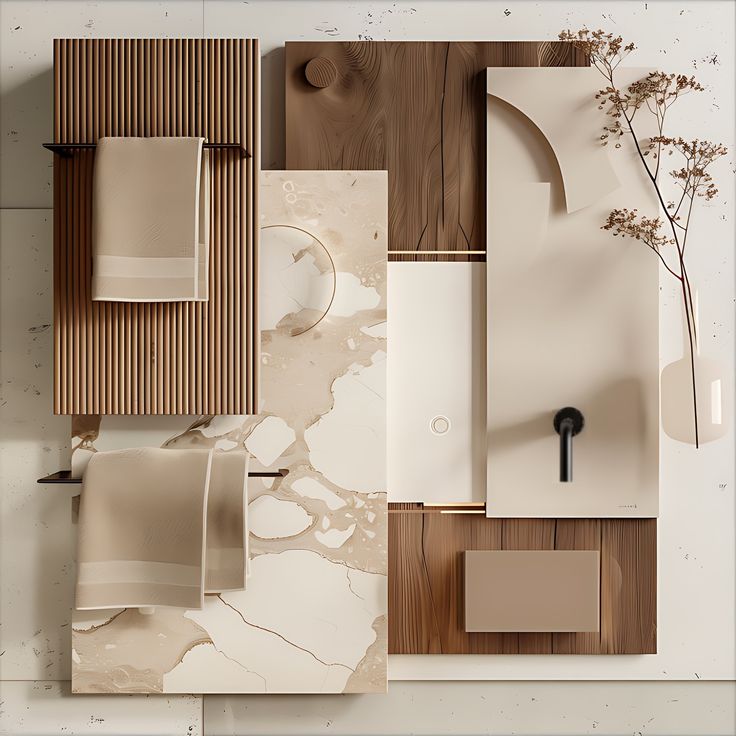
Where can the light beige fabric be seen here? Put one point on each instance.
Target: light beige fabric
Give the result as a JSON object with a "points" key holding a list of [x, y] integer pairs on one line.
{"points": [[227, 523], [150, 229], [146, 534]]}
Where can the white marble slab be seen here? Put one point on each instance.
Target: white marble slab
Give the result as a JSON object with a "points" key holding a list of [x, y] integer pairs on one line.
{"points": [[313, 616]]}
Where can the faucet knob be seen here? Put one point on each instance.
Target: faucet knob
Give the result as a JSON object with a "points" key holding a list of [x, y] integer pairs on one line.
{"points": [[571, 414]]}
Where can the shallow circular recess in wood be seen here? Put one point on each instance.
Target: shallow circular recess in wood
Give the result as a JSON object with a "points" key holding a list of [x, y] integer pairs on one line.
{"points": [[320, 72], [297, 279]]}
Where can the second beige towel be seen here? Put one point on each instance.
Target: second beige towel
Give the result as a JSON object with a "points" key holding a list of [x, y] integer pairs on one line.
{"points": [[226, 559], [150, 224], [161, 527]]}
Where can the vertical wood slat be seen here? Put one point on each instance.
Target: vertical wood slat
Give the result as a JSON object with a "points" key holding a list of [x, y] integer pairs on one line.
{"points": [[158, 358]]}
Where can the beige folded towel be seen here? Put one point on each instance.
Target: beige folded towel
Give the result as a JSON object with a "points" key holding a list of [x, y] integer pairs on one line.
{"points": [[227, 523], [146, 532], [150, 225]]}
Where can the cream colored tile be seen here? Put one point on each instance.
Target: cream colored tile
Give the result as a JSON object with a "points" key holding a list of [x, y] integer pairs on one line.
{"points": [[49, 708], [27, 30], [35, 537]]}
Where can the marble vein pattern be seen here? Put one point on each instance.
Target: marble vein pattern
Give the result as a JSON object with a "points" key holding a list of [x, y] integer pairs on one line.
{"points": [[314, 616]]}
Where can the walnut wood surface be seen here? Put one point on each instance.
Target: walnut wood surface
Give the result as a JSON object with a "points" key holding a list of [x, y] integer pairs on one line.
{"points": [[426, 581], [417, 109], [158, 358]]}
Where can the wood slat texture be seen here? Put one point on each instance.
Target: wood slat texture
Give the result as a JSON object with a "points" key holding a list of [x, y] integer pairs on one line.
{"points": [[417, 109], [158, 358], [426, 591]]}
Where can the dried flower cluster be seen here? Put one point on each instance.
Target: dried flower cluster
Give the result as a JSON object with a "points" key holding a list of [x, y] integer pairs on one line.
{"points": [[666, 234]]}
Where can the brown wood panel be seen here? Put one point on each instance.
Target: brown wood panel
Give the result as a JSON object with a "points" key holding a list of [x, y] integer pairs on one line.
{"points": [[426, 581], [415, 108], [410, 590], [157, 358], [628, 587]]}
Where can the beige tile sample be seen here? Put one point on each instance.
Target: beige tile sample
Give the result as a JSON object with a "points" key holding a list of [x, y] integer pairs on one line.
{"points": [[313, 618], [532, 590], [572, 312]]}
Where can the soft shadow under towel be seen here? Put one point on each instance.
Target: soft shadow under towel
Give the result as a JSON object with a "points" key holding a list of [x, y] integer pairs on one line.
{"points": [[161, 527]]}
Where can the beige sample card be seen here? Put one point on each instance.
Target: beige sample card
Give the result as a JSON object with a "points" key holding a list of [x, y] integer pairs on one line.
{"points": [[532, 590], [572, 312], [313, 618]]}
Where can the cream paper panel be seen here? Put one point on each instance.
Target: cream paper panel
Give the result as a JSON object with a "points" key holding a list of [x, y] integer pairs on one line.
{"points": [[572, 313], [313, 617]]}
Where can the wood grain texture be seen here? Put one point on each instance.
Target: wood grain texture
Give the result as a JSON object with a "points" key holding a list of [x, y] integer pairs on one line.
{"points": [[417, 109], [320, 72], [158, 358], [426, 581]]}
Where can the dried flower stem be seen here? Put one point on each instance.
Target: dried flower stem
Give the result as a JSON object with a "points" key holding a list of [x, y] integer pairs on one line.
{"points": [[657, 92]]}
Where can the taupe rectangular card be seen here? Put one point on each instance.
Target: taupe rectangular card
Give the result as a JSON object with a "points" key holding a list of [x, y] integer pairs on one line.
{"points": [[532, 590]]}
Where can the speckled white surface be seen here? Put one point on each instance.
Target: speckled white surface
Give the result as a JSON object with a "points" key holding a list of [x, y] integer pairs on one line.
{"points": [[491, 709], [36, 572], [47, 708], [697, 520]]}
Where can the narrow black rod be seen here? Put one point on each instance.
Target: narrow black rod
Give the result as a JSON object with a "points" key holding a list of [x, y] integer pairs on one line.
{"points": [[566, 432], [568, 422], [65, 476], [63, 149]]}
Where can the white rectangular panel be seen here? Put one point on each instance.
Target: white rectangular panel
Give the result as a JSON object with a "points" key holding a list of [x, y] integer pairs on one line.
{"points": [[436, 394]]}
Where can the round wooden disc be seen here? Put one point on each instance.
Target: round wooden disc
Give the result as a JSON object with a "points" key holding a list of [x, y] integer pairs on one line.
{"points": [[320, 72]]}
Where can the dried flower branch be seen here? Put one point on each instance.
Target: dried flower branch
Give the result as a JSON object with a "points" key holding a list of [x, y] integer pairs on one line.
{"points": [[655, 93]]}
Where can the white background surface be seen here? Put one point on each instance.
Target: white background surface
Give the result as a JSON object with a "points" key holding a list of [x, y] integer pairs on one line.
{"points": [[696, 534]]}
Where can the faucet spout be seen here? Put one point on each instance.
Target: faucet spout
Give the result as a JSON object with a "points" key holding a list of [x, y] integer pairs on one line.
{"points": [[567, 423]]}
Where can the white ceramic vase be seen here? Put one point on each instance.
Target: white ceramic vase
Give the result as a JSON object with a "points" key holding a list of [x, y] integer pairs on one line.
{"points": [[712, 390]]}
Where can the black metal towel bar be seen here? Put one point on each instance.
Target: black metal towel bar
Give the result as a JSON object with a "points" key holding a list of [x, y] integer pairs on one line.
{"points": [[65, 149], [65, 476]]}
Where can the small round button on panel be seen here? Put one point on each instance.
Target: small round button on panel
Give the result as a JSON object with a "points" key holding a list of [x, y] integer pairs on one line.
{"points": [[320, 72], [440, 425]]}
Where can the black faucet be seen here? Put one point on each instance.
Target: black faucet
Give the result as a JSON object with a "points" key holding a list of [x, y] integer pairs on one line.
{"points": [[567, 423]]}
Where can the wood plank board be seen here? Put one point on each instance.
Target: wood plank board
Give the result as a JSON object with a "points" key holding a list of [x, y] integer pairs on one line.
{"points": [[416, 109], [426, 581]]}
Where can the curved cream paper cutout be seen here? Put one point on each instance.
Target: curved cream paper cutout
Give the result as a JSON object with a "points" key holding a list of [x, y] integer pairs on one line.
{"points": [[568, 118]]}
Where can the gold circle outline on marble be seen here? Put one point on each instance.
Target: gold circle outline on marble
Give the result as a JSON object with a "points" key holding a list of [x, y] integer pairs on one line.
{"points": [[332, 263]]}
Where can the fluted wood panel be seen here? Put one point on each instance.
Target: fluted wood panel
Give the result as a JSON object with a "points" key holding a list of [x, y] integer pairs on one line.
{"points": [[158, 358]]}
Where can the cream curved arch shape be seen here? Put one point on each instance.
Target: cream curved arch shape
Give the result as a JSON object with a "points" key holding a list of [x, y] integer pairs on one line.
{"points": [[566, 115]]}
